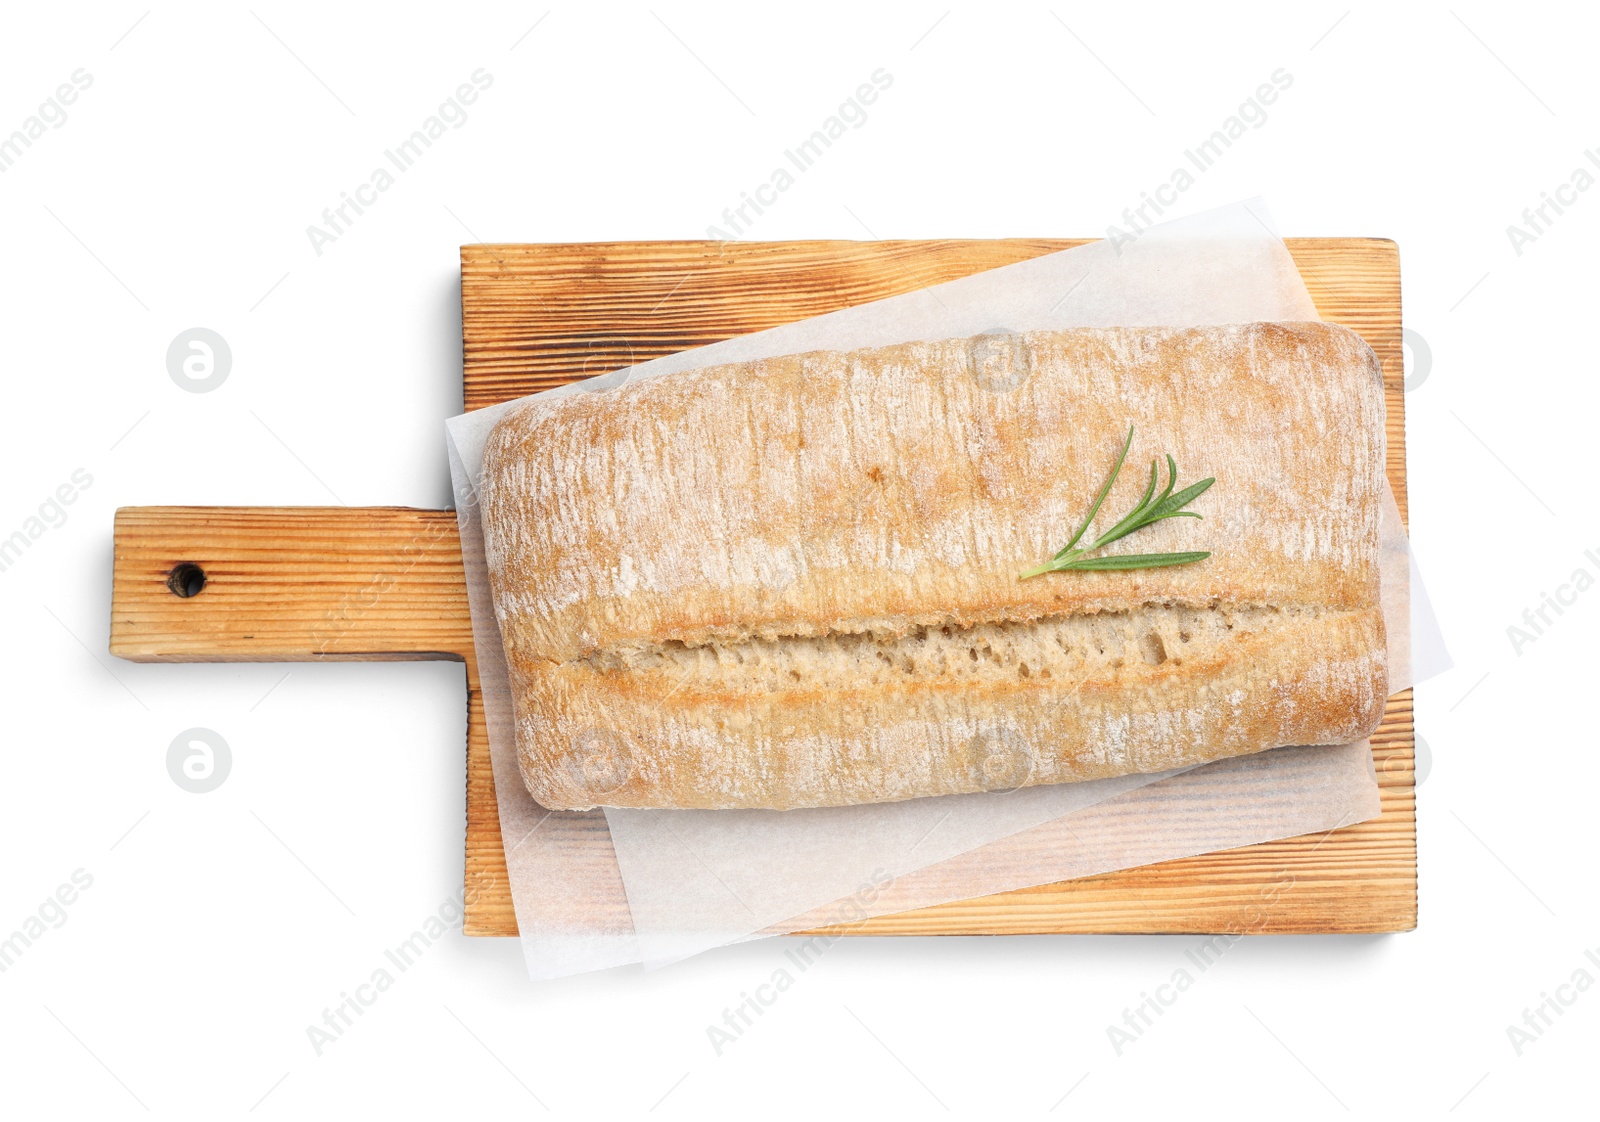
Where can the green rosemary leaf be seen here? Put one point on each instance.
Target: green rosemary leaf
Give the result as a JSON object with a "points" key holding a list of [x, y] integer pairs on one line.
{"points": [[1183, 498], [1172, 478], [1118, 561], [1155, 477], [1104, 491]]}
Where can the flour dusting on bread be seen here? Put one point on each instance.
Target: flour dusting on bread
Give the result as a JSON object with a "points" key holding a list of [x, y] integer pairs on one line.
{"points": [[793, 582]]}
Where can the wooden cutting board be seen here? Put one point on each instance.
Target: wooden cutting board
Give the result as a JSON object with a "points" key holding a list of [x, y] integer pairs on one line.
{"points": [[311, 583]]}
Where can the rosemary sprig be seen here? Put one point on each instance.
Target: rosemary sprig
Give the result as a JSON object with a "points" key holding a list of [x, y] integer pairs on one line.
{"points": [[1150, 509]]}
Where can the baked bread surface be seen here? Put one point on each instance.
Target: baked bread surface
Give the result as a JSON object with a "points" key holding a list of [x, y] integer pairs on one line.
{"points": [[793, 582]]}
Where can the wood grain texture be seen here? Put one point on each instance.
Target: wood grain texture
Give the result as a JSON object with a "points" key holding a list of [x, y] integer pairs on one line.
{"points": [[289, 584], [313, 583]]}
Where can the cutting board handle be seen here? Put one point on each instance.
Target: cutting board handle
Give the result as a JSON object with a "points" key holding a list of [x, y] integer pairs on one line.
{"points": [[288, 584]]}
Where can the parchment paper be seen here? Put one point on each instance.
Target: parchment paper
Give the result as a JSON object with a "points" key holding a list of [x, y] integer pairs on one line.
{"points": [[679, 882], [1284, 793]]}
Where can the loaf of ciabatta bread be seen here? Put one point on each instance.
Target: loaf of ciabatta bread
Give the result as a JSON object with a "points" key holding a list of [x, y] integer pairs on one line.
{"points": [[794, 582]]}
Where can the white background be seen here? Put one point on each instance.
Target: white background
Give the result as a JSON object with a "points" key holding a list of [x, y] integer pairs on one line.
{"points": [[219, 926]]}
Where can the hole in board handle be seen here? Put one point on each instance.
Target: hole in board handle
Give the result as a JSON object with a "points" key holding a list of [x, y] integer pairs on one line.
{"points": [[186, 580]]}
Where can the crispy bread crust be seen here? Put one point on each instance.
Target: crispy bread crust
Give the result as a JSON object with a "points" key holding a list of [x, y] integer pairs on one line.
{"points": [[754, 585]]}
